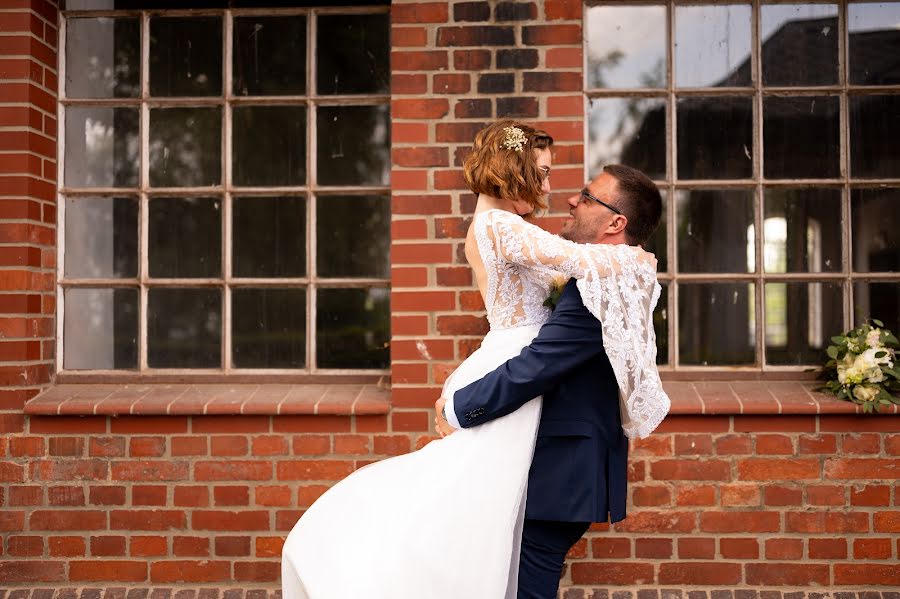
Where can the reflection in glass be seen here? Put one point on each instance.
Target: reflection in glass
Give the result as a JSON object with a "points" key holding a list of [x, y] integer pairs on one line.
{"points": [[800, 319], [661, 326], [801, 137], [185, 147], [879, 300], [628, 131], [354, 143], [268, 328], [281, 160], [352, 54], [800, 44], [100, 328], [184, 327], [874, 29], [354, 236], [626, 46], [656, 245], [185, 56], [712, 45], [101, 237], [269, 55], [102, 147], [874, 131], [185, 237], [716, 324], [802, 230], [875, 216], [269, 237], [715, 138], [715, 230], [103, 58], [353, 328]]}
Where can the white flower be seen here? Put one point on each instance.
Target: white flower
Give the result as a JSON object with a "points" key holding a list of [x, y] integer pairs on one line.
{"points": [[873, 339], [865, 392]]}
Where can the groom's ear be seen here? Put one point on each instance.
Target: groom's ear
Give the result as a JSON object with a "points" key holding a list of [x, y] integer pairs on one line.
{"points": [[617, 225]]}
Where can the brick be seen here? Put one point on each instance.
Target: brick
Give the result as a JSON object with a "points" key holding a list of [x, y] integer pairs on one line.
{"points": [[67, 520], [650, 495], [778, 495], [191, 496], [610, 547], [67, 546], [232, 495], [517, 107], [190, 546], [515, 11], [148, 546], [496, 83], [655, 445], [150, 470], [471, 60], [419, 60], [20, 447], [409, 421], [408, 133], [872, 548], [269, 546], [311, 424], [190, 445], [843, 522], [693, 444], [232, 546], [860, 443], [551, 81], [420, 12], [136, 519], [32, 571], [391, 444], [237, 470], [408, 84], [455, 83], [658, 522], [784, 549], [611, 573], [233, 521], [106, 447], [108, 546], [564, 58], [870, 495], [833, 495], [817, 444], [420, 108], [736, 521], [788, 574], [830, 548], [407, 37], [690, 470], [306, 496], [409, 229], [653, 548], [68, 496], [563, 10], [774, 445], [107, 570], [450, 179], [887, 521], [700, 573], [475, 35], [696, 548], [778, 469], [417, 204], [409, 180], [517, 59], [68, 425], [422, 301], [190, 571], [462, 325], [146, 447], [867, 574], [313, 469], [274, 495], [25, 546], [740, 495], [551, 35]]}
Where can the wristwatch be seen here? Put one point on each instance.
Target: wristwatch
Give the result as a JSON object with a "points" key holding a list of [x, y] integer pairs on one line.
{"points": [[444, 412]]}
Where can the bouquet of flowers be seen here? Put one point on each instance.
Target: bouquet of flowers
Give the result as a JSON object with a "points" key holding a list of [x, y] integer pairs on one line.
{"points": [[862, 367], [556, 288]]}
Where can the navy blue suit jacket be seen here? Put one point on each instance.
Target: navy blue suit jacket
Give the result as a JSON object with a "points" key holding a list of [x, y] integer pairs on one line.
{"points": [[579, 469]]}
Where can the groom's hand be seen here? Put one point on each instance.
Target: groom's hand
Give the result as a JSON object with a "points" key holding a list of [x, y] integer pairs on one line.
{"points": [[441, 425]]}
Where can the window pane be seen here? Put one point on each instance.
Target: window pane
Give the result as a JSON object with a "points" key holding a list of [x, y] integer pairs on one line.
{"points": [[185, 147], [874, 131], [716, 323], [800, 320], [353, 328], [268, 328], [354, 236], [715, 230], [661, 326], [628, 131], [102, 147], [875, 215], [281, 160], [800, 44], [874, 43], [184, 328], [354, 144], [103, 58], [715, 138], [626, 46], [269, 237], [712, 45], [802, 230], [269, 55], [802, 137], [879, 300], [101, 237], [101, 328], [352, 54], [657, 242], [185, 237], [185, 56]]}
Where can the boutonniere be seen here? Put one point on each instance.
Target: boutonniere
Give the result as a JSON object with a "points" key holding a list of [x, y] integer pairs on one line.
{"points": [[556, 288]]}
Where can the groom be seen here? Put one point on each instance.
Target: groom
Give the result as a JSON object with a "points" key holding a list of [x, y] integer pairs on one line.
{"points": [[579, 469]]}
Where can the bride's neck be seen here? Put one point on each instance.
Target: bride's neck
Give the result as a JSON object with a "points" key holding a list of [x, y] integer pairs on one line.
{"points": [[486, 202]]}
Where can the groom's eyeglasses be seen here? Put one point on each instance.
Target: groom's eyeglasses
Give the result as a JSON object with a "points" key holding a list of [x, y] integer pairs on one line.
{"points": [[586, 194]]}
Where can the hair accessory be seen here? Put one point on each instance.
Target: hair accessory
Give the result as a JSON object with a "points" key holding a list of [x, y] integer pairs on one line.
{"points": [[515, 139]]}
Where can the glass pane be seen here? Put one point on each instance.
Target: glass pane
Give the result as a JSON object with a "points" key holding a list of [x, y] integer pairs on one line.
{"points": [[269, 55], [101, 237], [269, 237], [628, 131], [715, 230], [103, 58], [102, 147], [185, 237], [353, 328], [712, 45], [626, 46], [184, 328], [874, 131], [802, 230], [352, 54], [874, 43], [354, 236], [281, 160], [716, 324], [185, 147], [661, 326], [268, 328], [802, 137], [657, 242], [800, 320], [800, 44], [185, 56], [875, 215], [715, 138], [101, 329], [879, 300], [354, 145]]}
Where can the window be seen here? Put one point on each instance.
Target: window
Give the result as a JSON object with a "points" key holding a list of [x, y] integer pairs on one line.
{"points": [[224, 200], [771, 128]]}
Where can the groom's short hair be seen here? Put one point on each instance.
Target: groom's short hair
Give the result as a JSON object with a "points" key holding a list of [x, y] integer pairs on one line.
{"points": [[640, 201]]}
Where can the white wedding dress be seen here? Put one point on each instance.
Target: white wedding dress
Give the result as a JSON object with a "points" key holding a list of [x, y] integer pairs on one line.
{"points": [[445, 522]]}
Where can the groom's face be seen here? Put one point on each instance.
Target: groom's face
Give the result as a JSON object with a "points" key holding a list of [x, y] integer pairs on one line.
{"points": [[587, 219]]}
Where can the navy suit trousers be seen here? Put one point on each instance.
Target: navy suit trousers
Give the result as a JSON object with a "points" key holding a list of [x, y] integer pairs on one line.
{"points": [[544, 548]]}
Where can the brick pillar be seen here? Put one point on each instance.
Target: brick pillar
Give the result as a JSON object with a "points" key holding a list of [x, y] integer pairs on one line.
{"points": [[455, 68]]}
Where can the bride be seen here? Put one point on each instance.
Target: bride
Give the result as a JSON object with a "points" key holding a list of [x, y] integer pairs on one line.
{"points": [[445, 521]]}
